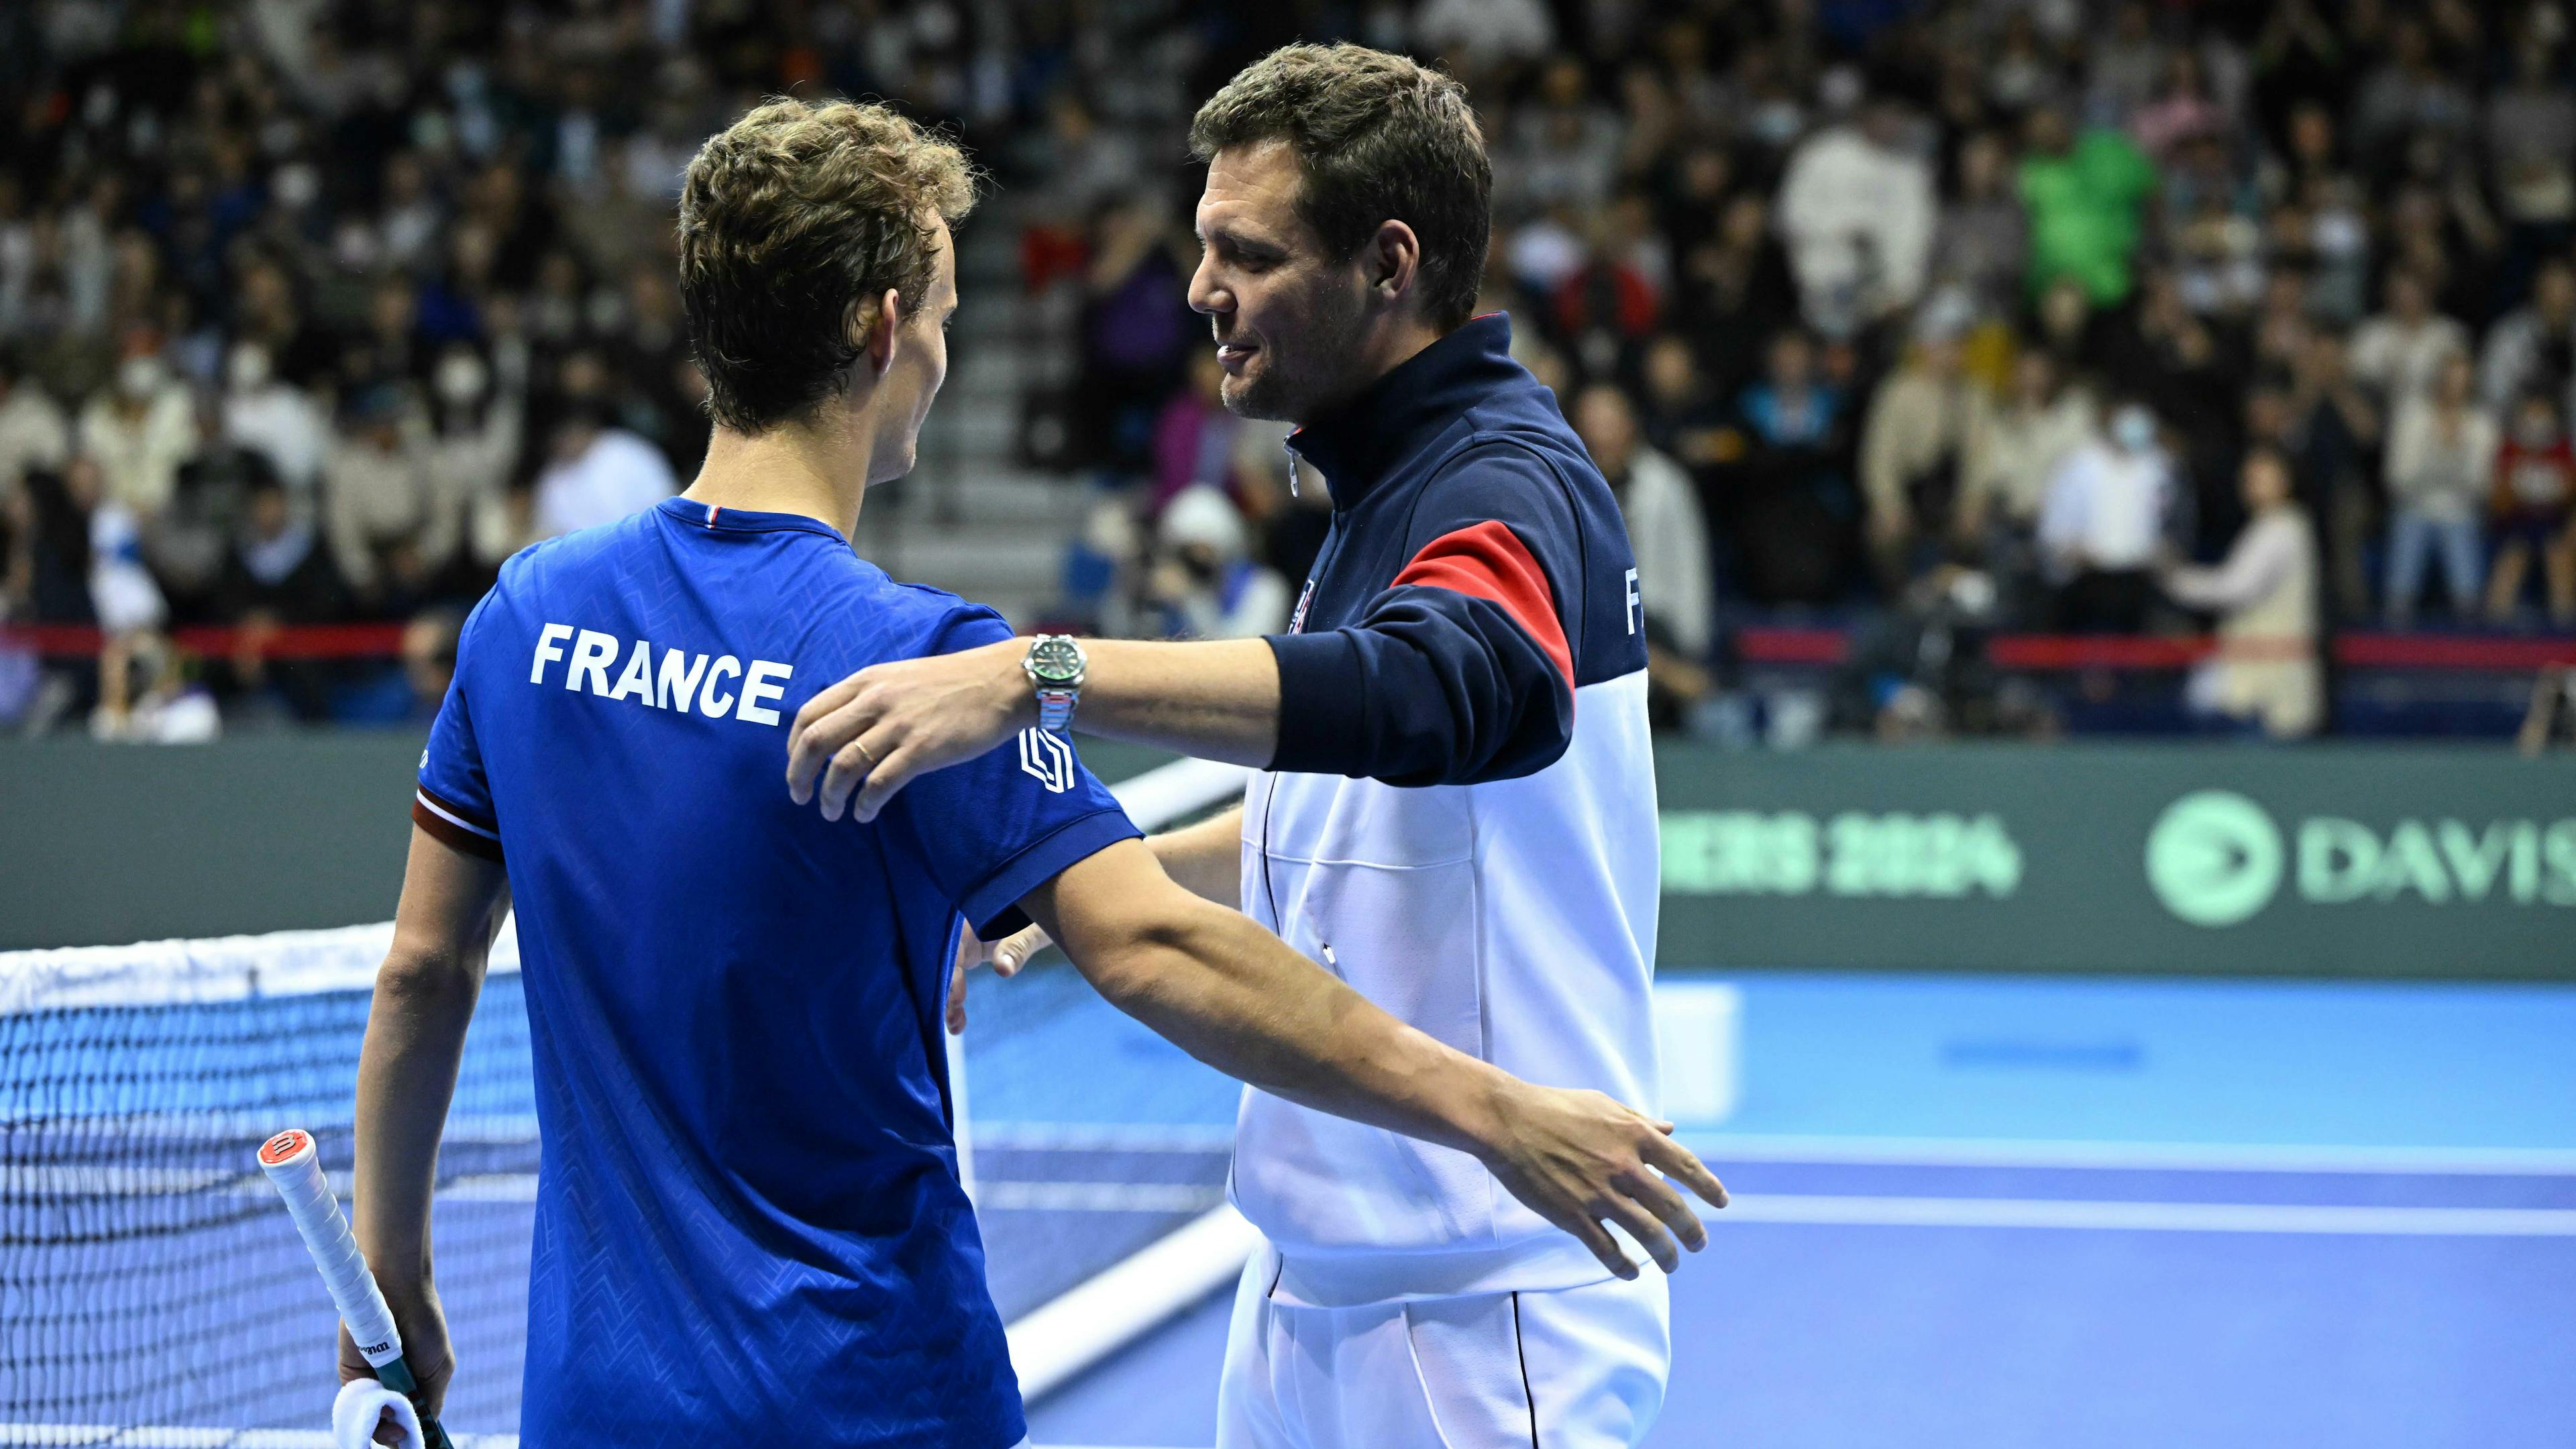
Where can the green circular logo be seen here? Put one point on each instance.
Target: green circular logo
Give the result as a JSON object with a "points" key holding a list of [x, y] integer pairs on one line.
{"points": [[2214, 858]]}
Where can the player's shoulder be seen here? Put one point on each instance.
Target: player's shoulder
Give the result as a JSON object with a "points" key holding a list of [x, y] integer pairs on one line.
{"points": [[947, 621]]}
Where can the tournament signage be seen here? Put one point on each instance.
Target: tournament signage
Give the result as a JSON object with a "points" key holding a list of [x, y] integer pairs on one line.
{"points": [[2334, 860]]}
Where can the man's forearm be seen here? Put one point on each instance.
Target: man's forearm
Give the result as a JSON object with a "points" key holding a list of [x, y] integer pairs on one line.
{"points": [[1217, 699], [1237, 998], [1205, 859], [406, 1077]]}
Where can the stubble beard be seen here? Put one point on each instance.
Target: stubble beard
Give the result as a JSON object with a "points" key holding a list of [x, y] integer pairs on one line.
{"points": [[1286, 390]]}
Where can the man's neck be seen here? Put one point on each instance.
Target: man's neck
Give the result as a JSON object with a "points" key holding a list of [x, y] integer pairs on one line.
{"points": [[1383, 351], [816, 470]]}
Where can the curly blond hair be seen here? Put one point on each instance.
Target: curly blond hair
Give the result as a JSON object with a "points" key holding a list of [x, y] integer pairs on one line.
{"points": [[793, 222]]}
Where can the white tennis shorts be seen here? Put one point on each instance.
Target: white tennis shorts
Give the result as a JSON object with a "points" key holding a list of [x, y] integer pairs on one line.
{"points": [[1575, 1368]]}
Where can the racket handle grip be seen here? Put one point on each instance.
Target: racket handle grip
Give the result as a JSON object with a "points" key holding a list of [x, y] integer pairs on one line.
{"points": [[295, 1169]]}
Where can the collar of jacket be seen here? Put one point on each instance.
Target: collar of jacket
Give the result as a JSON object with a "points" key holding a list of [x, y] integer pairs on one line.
{"points": [[1360, 444]]}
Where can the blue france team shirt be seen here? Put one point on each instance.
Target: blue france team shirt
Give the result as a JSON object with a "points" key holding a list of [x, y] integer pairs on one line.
{"points": [[749, 1228]]}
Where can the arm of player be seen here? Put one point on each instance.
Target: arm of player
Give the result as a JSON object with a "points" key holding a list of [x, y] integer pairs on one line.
{"points": [[1237, 998], [1205, 859], [1216, 699], [452, 904]]}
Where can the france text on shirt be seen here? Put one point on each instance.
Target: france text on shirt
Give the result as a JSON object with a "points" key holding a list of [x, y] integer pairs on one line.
{"points": [[681, 679]]}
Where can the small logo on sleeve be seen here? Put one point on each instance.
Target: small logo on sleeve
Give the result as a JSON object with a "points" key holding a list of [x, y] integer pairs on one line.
{"points": [[1047, 758]]}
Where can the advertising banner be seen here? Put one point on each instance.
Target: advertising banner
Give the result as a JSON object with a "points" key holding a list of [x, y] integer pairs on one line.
{"points": [[2079, 857]]}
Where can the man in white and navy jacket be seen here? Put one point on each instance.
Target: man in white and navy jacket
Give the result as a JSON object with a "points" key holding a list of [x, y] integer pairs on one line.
{"points": [[1455, 809]]}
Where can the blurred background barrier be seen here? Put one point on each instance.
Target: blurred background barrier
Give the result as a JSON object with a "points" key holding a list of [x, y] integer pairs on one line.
{"points": [[2356, 860]]}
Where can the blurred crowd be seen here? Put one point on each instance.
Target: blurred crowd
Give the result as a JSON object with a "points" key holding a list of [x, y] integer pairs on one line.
{"points": [[1938, 319], [1924, 319]]}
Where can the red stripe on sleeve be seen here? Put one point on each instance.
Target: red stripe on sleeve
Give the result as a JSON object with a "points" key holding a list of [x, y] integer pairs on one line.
{"points": [[1488, 561]]}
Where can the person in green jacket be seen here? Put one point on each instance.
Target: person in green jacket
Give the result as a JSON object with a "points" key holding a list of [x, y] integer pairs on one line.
{"points": [[2083, 195]]}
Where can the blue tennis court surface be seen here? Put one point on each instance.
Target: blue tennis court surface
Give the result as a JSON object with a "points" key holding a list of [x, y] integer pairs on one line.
{"points": [[2001, 1212], [1970, 1211]]}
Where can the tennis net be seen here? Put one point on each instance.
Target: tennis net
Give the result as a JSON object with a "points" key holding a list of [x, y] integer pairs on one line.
{"points": [[152, 1291]]}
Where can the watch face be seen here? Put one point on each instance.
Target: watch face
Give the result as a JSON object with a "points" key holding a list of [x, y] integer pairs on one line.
{"points": [[1056, 661]]}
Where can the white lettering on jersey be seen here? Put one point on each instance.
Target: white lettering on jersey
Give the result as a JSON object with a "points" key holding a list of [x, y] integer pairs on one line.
{"points": [[756, 687], [636, 680], [1633, 601], [712, 704], [590, 655], [681, 681], [547, 653], [1047, 757]]}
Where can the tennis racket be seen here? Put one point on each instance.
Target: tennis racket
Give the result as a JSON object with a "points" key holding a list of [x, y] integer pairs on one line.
{"points": [[296, 1170]]}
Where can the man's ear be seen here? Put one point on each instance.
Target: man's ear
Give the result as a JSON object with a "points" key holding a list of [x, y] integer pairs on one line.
{"points": [[1393, 260], [879, 344]]}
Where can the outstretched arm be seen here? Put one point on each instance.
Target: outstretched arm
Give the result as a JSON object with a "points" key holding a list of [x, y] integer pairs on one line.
{"points": [[1237, 998], [887, 724], [1205, 859], [452, 904]]}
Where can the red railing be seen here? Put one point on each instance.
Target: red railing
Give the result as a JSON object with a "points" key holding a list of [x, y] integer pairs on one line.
{"points": [[1778, 646], [2126, 651], [297, 641]]}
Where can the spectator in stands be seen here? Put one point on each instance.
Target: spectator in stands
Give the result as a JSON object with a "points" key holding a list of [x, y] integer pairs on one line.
{"points": [[1926, 420], [1670, 538], [196, 531], [2335, 426], [2041, 423], [1680, 412], [1486, 32], [2265, 672], [2530, 129], [1857, 211], [264, 412], [138, 432], [1563, 149], [2533, 348], [2398, 352], [2534, 511], [597, 474], [1204, 584], [477, 428], [1796, 508], [1983, 244], [35, 435], [1136, 325], [2084, 195], [386, 539], [2102, 523], [2441, 465], [1736, 293], [279, 573]]}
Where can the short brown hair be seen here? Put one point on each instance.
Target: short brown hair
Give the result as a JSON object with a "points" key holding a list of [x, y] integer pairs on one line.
{"points": [[1379, 138], [793, 222]]}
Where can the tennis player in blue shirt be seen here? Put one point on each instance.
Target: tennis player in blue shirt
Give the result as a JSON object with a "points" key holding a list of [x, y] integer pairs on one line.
{"points": [[749, 1226]]}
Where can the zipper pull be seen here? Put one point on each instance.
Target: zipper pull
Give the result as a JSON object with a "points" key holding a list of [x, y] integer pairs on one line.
{"points": [[1292, 466]]}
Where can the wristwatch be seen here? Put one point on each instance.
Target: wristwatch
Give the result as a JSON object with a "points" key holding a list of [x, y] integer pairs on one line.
{"points": [[1054, 665]]}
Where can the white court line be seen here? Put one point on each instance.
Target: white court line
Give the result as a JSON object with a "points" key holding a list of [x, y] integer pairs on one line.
{"points": [[2179, 1217], [2173, 1156]]}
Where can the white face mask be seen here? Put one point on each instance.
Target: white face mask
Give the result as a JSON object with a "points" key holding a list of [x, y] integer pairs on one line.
{"points": [[247, 370], [139, 378], [460, 380]]}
